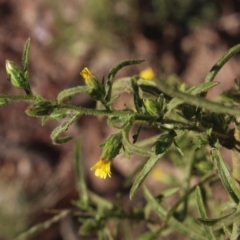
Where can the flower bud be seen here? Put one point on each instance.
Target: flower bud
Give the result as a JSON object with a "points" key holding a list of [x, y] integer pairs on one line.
{"points": [[96, 88], [16, 76], [40, 109], [112, 146]]}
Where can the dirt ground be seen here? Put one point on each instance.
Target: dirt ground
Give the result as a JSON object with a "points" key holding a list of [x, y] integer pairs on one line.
{"points": [[36, 175]]}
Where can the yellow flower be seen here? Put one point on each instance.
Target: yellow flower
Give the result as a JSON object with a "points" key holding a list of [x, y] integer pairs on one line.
{"points": [[86, 74], [147, 74], [102, 168]]}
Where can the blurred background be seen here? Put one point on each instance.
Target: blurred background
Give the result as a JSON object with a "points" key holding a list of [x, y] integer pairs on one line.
{"points": [[183, 38]]}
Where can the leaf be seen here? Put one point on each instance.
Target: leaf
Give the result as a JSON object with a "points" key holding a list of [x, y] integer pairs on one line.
{"points": [[176, 225], [25, 55], [142, 175], [236, 226], [227, 232], [71, 91], [61, 128], [113, 72], [136, 135], [203, 214], [138, 102], [167, 193], [193, 91], [79, 173], [89, 227], [224, 220], [225, 177], [43, 226], [44, 120], [178, 148]]}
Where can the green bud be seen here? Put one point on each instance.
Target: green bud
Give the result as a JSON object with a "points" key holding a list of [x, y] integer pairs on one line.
{"points": [[111, 147], [164, 142], [40, 109], [16, 76]]}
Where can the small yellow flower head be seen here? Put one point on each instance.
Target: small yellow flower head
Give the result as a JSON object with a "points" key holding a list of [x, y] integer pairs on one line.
{"points": [[147, 74], [111, 148], [96, 90], [86, 74], [102, 168]]}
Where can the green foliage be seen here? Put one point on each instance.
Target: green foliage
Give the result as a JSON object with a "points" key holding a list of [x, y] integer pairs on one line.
{"points": [[192, 132]]}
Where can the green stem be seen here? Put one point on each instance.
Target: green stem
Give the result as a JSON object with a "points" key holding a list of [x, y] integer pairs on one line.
{"points": [[196, 101], [19, 97]]}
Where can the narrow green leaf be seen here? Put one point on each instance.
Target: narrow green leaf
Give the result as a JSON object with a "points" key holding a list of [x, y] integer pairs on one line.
{"points": [[44, 120], [136, 135], [225, 177], [142, 175], [128, 182], [25, 55], [224, 220], [79, 173], [227, 232], [113, 72], [202, 211], [202, 87], [228, 206], [101, 202], [121, 85], [162, 213], [220, 63], [42, 226], [133, 148], [236, 227], [61, 128], [71, 91], [138, 102], [89, 226], [166, 193], [184, 198]]}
